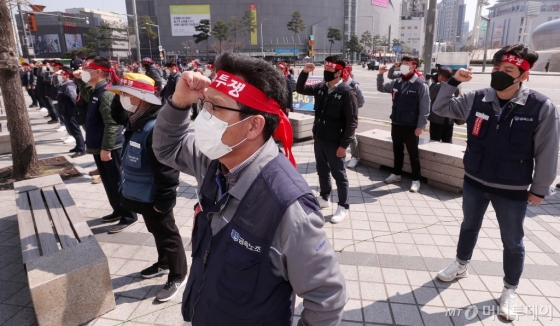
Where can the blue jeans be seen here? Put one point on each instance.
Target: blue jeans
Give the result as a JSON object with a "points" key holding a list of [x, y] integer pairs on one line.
{"points": [[510, 214]]}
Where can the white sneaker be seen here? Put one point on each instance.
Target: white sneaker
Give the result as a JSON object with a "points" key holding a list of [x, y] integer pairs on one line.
{"points": [[65, 137], [353, 162], [454, 271], [43, 110], [339, 215], [415, 186], [60, 129], [69, 140], [393, 178], [507, 304], [323, 203]]}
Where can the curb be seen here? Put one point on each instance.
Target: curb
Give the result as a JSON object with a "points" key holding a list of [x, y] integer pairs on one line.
{"points": [[80, 169]]}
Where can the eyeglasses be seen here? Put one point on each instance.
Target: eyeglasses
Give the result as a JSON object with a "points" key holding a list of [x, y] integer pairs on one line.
{"points": [[207, 108]]}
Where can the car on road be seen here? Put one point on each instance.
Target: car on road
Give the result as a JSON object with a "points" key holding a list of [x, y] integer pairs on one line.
{"points": [[373, 65]]}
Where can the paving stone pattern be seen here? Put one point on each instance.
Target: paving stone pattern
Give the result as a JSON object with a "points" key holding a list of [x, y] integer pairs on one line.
{"points": [[390, 248]]}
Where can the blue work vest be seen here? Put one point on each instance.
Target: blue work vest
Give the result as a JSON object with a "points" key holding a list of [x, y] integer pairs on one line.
{"points": [[65, 104], [406, 103], [95, 126], [502, 151], [231, 281], [137, 177], [329, 121]]}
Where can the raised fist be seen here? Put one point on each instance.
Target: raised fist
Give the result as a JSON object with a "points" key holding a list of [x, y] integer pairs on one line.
{"points": [[463, 75], [190, 87], [382, 70], [309, 67]]}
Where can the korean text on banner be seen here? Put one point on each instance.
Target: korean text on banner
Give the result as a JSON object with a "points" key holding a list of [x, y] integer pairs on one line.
{"points": [[304, 102], [254, 37], [184, 18]]}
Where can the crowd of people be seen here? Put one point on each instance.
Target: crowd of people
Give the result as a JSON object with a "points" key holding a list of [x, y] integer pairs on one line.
{"points": [[257, 235]]}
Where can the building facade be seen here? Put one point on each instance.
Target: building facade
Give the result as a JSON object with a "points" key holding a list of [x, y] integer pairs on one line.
{"points": [[513, 21], [450, 19], [412, 33]]}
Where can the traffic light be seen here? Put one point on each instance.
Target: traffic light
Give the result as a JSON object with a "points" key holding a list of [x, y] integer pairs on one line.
{"points": [[31, 23]]}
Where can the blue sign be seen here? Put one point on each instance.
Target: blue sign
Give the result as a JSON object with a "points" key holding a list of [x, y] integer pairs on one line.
{"points": [[305, 102], [286, 50], [397, 48]]}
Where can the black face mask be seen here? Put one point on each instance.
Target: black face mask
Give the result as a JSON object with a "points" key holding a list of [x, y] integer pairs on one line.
{"points": [[501, 80], [328, 75]]}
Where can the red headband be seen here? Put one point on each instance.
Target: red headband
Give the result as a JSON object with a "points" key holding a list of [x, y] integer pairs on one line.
{"points": [[520, 62], [248, 95], [334, 65], [210, 66], [114, 78], [66, 73], [284, 68], [347, 73], [138, 85]]}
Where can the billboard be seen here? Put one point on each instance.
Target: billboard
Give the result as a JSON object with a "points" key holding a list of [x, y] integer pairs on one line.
{"points": [[253, 8], [73, 41], [46, 43], [304, 102], [380, 3], [184, 18]]}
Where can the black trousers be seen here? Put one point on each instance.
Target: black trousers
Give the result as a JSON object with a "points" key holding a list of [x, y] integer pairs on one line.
{"points": [[404, 136], [441, 132], [110, 173], [75, 131], [47, 104], [328, 163], [171, 252], [31, 93]]}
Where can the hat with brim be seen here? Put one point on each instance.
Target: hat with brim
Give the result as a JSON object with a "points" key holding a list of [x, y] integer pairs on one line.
{"points": [[137, 85]]}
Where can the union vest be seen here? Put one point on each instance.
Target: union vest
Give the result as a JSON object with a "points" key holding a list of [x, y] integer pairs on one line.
{"points": [[137, 177], [65, 104], [406, 103], [502, 151], [94, 122], [329, 120], [231, 281]]}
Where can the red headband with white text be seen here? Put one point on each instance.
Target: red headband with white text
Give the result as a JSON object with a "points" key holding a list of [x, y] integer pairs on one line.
{"points": [[333, 65], [114, 78], [519, 62], [249, 95]]}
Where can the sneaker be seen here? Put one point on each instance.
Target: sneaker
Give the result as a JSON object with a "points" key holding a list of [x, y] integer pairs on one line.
{"points": [[323, 203], [110, 218], [43, 110], [415, 186], [121, 227], [78, 154], [96, 181], [61, 128], [454, 271], [66, 137], [170, 290], [393, 178], [507, 304], [51, 122], [353, 162], [69, 140], [154, 271], [339, 215], [94, 172]]}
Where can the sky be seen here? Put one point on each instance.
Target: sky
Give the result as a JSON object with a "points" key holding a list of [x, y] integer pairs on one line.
{"points": [[119, 6]]}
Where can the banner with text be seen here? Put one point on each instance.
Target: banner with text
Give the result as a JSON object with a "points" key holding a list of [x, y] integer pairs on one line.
{"points": [[184, 18], [254, 37], [305, 102], [380, 3]]}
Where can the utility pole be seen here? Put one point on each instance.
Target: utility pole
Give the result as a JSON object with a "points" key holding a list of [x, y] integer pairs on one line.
{"points": [[138, 55], [25, 40], [486, 43], [429, 40]]}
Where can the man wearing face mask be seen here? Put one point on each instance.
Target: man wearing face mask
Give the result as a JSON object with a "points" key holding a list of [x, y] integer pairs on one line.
{"points": [[411, 107], [104, 136], [173, 75], [152, 72], [257, 236], [336, 120], [147, 186], [510, 160], [441, 128], [67, 96]]}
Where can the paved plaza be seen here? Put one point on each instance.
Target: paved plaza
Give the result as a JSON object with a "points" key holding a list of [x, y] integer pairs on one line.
{"points": [[390, 248]]}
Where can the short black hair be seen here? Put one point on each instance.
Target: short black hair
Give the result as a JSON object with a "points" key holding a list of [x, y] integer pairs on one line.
{"points": [[447, 73], [170, 64], [91, 57], [264, 77], [336, 59], [411, 58], [68, 70], [103, 62], [519, 50]]}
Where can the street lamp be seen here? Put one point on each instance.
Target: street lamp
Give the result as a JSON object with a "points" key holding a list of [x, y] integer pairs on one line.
{"points": [[262, 43]]}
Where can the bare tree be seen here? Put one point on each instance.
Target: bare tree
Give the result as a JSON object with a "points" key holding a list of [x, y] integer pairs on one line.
{"points": [[24, 155]]}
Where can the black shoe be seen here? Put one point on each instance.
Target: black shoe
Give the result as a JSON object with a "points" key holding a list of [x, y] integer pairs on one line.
{"points": [[170, 290], [121, 227], [47, 116], [52, 121], [110, 218], [78, 154], [154, 270], [558, 185], [73, 150], [33, 106]]}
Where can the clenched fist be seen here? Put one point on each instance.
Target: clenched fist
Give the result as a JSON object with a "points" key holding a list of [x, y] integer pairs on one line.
{"points": [[382, 70], [190, 87], [77, 74], [309, 67], [463, 75]]}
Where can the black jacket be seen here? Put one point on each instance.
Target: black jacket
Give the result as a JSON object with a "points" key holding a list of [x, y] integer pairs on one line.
{"points": [[153, 72], [166, 178]]}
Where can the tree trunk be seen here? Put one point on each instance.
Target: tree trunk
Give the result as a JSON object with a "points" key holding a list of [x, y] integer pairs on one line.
{"points": [[220, 46], [150, 46], [24, 155], [330, 49]]}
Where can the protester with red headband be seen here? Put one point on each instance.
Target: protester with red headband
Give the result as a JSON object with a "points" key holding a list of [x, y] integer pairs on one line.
{"points": [[173, 76], [291, 86], [257, 235], [67, 97], [348, 77], [336, 120], [409, 116], [510, 161]]}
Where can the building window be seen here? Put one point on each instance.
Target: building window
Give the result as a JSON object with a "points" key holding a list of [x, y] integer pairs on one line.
{"points": [[415, 27]]}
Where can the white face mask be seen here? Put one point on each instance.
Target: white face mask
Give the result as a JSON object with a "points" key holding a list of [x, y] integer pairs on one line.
{"points": [[60, 79], [86, 76], [125, 102], [208, 136], [167, 71], [405, 70], [44, 68], [207, 72]]}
